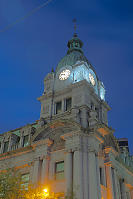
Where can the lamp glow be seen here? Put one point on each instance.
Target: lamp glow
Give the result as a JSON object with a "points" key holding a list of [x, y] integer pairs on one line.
{"points": [[46, 193]]}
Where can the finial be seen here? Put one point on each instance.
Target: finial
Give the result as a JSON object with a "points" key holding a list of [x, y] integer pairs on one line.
{"points": [[75, 25]]}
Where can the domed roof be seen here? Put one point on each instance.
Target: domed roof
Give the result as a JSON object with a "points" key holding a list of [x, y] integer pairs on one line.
{"points": [[74, 53], [71, 59]]}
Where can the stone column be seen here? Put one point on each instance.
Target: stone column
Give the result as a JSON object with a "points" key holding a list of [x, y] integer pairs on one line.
{"points": [[123, 189], [116, 185], [76, 114], [98, 178], [131, 194], [2, 145], [85, 174], [51, 170], [84, 118], [45, 161], [92, 177], [68, 172], [21, 139], [110, 193], [36, 171], [10, 143], [78, 175], [44, 173]]}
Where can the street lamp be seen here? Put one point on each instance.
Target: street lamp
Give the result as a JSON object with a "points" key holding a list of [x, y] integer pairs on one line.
{"points": [[45, 192]]}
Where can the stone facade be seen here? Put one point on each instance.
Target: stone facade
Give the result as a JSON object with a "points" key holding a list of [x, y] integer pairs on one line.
{"points": [[71, 147]]}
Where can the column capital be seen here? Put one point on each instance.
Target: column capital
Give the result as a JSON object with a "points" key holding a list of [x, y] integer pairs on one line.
{"points": [[36, 159], [91, 150], [110, 150], [46, 157]]}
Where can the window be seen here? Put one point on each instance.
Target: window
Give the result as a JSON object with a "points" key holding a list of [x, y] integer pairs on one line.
{"points": [[97, 111], [92, 106], [68, 104], [59, 170], [26, 141], [58, 107], [25, 180], [5, 147], [101, 176]]}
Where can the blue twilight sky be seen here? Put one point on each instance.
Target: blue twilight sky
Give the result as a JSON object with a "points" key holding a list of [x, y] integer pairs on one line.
{"points": [[32, 47]]}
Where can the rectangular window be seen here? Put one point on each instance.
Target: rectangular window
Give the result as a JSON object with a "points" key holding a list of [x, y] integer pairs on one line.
{"points": [[26, 141], [6, 144], [25, 180], [59, 170], [101, 176], [97, 111], [68, 104], [58, 107]]}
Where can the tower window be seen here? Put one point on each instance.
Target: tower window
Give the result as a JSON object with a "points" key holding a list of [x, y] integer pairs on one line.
{"points": [[58, 107], [59, 170], [26, 141], [68, 104], [76, 44], [6, 144]]}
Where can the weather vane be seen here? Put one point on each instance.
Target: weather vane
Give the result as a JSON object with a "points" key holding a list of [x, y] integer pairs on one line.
{"points": [[75, 25]]}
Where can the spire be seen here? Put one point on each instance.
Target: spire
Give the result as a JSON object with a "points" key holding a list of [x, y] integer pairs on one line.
{"points": [[75, 44], [75, 25]]}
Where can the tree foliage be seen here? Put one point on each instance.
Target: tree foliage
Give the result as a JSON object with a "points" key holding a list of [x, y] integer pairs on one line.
{"points": [[11, 187], [10, 184]]}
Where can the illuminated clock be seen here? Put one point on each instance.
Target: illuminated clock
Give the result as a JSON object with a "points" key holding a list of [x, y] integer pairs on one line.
{"points": [[92, 79], [64, 74]]}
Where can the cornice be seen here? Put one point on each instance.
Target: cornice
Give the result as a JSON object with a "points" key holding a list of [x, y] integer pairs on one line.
{"points": [[122, 170], [17, 152]]}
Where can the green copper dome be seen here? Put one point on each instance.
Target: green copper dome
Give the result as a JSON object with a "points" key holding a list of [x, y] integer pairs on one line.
{"points": [[74, 53]]}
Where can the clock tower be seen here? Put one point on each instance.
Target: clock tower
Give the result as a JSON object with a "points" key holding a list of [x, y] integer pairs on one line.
{"points": [[74, 90], [71, 150]]}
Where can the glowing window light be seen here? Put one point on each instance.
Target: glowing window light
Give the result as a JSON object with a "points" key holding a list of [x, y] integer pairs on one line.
{"points": [[92, 80]]}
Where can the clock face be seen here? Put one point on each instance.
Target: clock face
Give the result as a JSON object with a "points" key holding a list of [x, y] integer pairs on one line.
{"points": [[92, 79], [64, 74]]}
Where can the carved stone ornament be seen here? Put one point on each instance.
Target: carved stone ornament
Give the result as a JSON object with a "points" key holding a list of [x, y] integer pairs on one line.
{"points": [[54, 131]]}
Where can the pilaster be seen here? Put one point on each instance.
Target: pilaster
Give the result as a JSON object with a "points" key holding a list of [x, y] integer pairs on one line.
{"points": [[36, 171], [110, 192], [98, 177], [78, 174], [2, 145], [85, 169], [116, 185], [123, 189], [68, 172], [92, 178], [45, 165], [84, 117]]}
